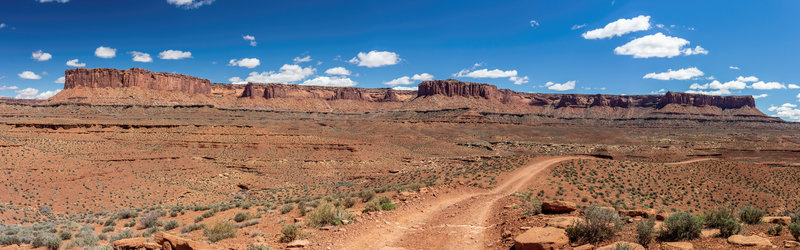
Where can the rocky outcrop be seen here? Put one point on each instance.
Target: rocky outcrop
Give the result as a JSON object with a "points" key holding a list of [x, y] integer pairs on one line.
{"points": [[749, 241], [558, 206], [390, 96], [274, 91], [136, 243], [135, 77], [563, 222], [248, 91], [541, 238], [172, 242], [724, 102], [453, 88], [347, 93]]}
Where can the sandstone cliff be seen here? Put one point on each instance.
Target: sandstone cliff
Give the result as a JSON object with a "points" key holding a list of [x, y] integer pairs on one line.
{"points": [[135, 77]]}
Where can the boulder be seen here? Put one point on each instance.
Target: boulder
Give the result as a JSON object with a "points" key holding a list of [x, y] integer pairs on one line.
{"points": [[749, 241], [298, 244], [563, 222], [558, 206], [783, 220], [172, 242], [135, 243], [791, 244], [541, 238], [584, 247], [709, 233], [678, 246], [632, 245]]}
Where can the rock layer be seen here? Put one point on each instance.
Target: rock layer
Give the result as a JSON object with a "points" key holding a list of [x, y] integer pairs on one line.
{"points": [[135, 77], [456, 88]]}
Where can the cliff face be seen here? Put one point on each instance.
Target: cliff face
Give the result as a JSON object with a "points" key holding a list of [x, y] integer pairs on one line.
{"points": [[724, 102], [135, 77], [456, 88]]}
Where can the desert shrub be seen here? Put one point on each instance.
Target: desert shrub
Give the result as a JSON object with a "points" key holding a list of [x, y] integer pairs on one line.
{"points": [[366, 195], [795, 217], [751, 215], [681, 226], [623, 246], [108, 229], [49, 241], [290, 232], [192, 227], [84, 238], [173, 214], [239, 217], [599, 225], [717, 217], [372, 206], [775, 231], [170, 225], [208, 213], [150, 231], [644, 232], [149, 220], [327, 214], [794, 229], [65, 235], [102, 237], [220, 231], [6, 240], [258, 247], [728, 227], [287, 208], [198, 219], [110, 222], [124, 234], [130, 223], [126, 214], [386, 203], [249, 223], [349, 202]]}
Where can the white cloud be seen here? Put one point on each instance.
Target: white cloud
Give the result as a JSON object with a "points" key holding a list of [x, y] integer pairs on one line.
{"points": [[41, 56], [341, 71], [560, 86], [768, 85], [657, 45], [794, 86], [534, 23], [174, 55], [29, 75], [734, 67], [2, 25], [405, 80], [61, 80], [237, 80], [288, 73], [190, 4], [681, 74], [245, 62], [54, 1], [330, 81], [495, 73], [31, 93], [105, 52], [660, 91], [619, 28], [298, 60], [8, 87], [798, 97], [422, 77], [747, 79], [375, 59], [718, 85], [415, 88], [759, 96], [577, 27], [712, 92], [250, 38], [141, 57], [787, 110], [75, 63]]}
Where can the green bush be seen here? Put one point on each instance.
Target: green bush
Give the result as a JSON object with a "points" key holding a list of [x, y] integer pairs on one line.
{"points": [[795, 217], [717, 217], [192, 227], [775, 231], [126, 214], [239, 217], [130, 223], [681, 226], [198, 219], [794, 228], [258, 247], [349, 202], [220, 231], [149, 220], [170, 225], [124, 234], [372, 206], [366, 195], [644, 232], [386, 203], [530, 205], [108, 229], [208, 213], [65, 235], [751, 215], [290, 232], [49, 241], [623, 246], [728, 227], [327, 214], [287, 208], [599, 225]]}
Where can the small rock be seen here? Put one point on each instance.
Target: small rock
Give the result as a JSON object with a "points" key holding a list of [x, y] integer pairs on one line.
{"points": [[506, 234], [791, 244], [563, 222], [299, 219], [394, 171], [524, 228], [783, 220], [584, 247], [298, 244], [749, 241], [678, 246], [345, 222], [326, 228], [615, 245]]}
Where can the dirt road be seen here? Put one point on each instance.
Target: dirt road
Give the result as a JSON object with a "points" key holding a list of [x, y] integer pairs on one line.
{"points": [[456, 221]]}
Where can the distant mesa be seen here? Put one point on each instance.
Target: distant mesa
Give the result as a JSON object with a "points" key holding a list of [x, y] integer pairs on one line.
{"points": [[135, 77]]}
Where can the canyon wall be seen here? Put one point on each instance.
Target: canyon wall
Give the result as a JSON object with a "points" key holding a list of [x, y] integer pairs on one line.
{"points": [[135, 77]]}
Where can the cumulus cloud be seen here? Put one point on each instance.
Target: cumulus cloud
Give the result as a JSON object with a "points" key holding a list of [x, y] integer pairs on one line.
{"points": [[794, 86], [495, 73], [734, 67], [298, 60], [422, 77], [141, 57], [341, 71], [31, 93], [415, 88], [174, 55], [75, 63], [288, 73], [61, 80], [4, 87], [245, 62], [250, 38], [330, 81], [569, 85], [787, 110], [41, 56], [759, 96], [105, 52], [681, 74], [716, 87], [375, 59], [189, 4], [237, 80], [54, 1], [619, 28], [405, 80], [578, 26], [658, 45], [534, 23], [29, 75], [710, 92], [747, 79], [768, 85]]}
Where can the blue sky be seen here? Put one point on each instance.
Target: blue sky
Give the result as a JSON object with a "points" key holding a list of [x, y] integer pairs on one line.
{"points": [[610, 47]]}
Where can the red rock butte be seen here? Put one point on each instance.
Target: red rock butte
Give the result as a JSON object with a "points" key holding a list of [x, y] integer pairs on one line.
{"points": [[135, 77]]}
